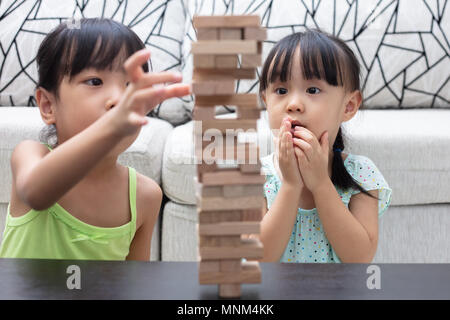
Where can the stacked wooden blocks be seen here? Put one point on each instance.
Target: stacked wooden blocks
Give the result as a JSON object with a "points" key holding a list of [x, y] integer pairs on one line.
{"points": [[230, 200]]}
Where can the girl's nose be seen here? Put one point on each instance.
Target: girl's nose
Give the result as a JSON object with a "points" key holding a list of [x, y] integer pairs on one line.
{"points": [[295, 104], [294, 107]]}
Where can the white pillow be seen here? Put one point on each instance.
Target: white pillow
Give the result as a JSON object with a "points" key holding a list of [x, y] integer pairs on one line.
{"points": [[401, 45], [159, 24]]}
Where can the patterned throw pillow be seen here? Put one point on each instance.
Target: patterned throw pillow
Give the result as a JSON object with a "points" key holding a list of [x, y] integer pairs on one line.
{"points": [[24, 24], [403, 46]]}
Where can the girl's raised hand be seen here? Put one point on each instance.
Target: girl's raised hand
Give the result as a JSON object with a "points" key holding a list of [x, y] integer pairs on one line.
{"points": [[141, 95], [312, 157], [286, 157]]}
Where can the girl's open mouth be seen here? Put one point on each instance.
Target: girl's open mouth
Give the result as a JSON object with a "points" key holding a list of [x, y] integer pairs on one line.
{"points": [[294, 124]]}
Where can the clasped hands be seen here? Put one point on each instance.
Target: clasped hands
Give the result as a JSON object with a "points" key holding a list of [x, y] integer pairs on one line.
{"points": [[302, 158]]}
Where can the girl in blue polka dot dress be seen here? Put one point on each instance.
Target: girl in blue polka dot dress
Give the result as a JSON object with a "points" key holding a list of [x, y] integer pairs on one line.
{"points": [[323, 205]]}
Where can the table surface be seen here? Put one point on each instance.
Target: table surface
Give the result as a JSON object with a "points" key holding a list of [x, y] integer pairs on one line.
{"points": [[47, 279]]}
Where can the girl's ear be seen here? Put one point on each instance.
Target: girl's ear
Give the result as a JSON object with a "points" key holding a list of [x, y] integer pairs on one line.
{"points": [[46, 103], [352, 106]]}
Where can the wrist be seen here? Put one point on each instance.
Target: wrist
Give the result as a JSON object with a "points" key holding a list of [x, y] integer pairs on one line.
{"points": [[292, 190], [115, 125], [322, 187]]}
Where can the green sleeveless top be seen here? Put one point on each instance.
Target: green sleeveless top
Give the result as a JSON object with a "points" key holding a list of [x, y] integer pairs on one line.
{"points": [[55, 234]]}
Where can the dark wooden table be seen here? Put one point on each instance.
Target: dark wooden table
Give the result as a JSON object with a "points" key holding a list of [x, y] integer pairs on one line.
{"points": [[47, 279]]}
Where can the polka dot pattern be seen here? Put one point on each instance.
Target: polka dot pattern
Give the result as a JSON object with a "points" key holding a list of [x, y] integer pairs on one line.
{"points": [[308, 242]]}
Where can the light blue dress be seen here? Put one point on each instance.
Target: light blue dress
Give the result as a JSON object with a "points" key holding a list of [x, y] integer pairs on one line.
{"points": [[308, 242]]}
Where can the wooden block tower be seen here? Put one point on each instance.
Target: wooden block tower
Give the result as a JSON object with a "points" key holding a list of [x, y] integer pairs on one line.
{"points": [[229, 200]]}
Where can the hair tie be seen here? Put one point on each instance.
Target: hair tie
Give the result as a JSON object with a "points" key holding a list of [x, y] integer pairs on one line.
{"points": [[337, 150]]}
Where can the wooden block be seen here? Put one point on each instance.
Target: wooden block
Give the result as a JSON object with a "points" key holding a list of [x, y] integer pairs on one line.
{"points": [[227, 177], [209, 266], [213, 191], [225, 87], [208, 34], [232, 240], [208, 217], [203, 88], [231, 34], [230, 265], [252, 215], [250, 168], [208, 88], [232, 290], [255, 33], [249, 249], [225, 47], [250, 60], [246, 113], [229, 124], [204, 60], [226, 61], [241, 153], [206, 74], [228, 228], [204, 241], [242, 100], [204, 167], [200, 113], [231, 191], [239, 203], [219, 241], [234, 21]]}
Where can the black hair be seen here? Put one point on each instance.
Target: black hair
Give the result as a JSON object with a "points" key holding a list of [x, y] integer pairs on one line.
{"points": [[325, 57], [86, 43]]}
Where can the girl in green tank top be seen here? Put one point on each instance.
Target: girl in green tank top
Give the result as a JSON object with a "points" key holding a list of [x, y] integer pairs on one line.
{"points": [[70, 199]]}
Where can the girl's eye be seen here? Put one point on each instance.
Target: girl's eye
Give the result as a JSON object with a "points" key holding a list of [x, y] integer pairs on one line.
{"points": [[280, 91], [313, 90], [94, 82]]}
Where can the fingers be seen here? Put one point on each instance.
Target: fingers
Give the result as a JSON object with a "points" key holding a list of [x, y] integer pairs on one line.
{"points": [[133, 65], [306, 135], [305, 147], [149, 98], [150, 79]]}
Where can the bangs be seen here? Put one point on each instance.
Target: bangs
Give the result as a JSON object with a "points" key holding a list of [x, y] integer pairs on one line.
{"points": [[320, 58], [98, 44]]}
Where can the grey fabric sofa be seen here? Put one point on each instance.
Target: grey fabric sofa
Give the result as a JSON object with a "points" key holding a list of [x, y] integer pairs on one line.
{"points": [[404, 129]]}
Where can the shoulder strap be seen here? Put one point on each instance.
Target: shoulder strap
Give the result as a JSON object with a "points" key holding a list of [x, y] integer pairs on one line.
{"points": [[47, 145], [132, 193]]}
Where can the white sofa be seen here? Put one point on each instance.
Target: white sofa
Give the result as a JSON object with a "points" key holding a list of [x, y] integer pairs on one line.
{"points": [[409, 146]]}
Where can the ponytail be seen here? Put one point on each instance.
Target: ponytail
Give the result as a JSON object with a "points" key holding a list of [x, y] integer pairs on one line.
{"points": [[339, 174]]}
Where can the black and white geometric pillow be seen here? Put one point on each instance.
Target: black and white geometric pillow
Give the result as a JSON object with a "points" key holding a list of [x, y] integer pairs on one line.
{"points": [[24, 24], [403, 45]]}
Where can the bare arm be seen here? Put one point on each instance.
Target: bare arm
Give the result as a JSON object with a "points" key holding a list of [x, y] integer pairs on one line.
{"points": [[151, 199], [277, 223], [353, 232], [42, 177]]}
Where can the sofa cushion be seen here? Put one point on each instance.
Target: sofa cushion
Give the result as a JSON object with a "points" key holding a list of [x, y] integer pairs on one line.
{"points": [[159, 24], [407, 234], [401, 45], [410, 147], [17, 124]]}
